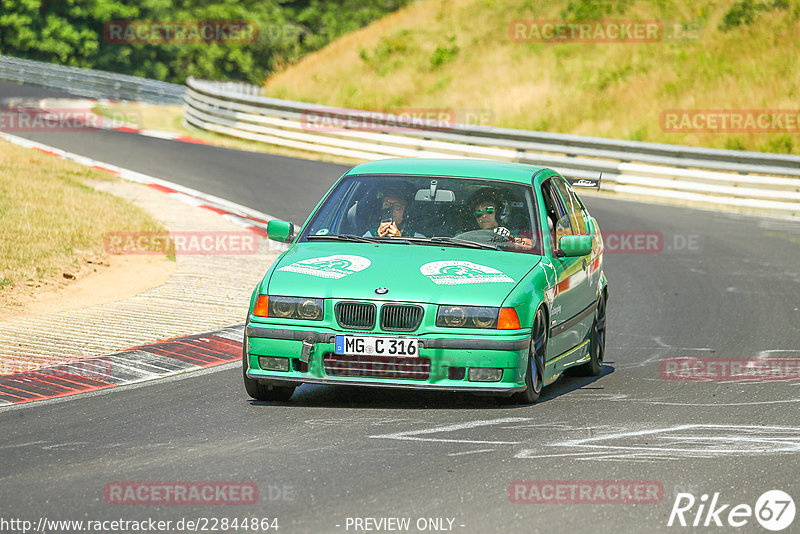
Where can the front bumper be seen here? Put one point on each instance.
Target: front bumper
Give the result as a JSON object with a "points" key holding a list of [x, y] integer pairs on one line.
{"points": [[507, 352]]}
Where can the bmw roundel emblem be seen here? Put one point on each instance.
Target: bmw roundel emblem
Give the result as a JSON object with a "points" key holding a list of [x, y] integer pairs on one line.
{"points": [[381, 291]]}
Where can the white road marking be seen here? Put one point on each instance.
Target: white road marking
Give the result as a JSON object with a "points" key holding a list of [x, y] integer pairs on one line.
{"points": [[678, 442], [768, 353], [470, 452], [69, 446], [412, 435], [779, 224], [26, 444], [375, 421], [632, 457], [621, 397], [659, 352], [665, 403]]}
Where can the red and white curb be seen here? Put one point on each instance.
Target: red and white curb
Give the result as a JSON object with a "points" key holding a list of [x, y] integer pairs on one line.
{"points": [[249, 218], [170, 136], [137, 364], [146, 362], [84, 108]]}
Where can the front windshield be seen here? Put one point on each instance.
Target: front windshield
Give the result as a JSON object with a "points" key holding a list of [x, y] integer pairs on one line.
{"points": [[425, 210]]}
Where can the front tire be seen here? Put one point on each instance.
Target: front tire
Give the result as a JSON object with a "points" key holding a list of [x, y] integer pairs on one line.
{"points": [[534, 377], [263, 392]]}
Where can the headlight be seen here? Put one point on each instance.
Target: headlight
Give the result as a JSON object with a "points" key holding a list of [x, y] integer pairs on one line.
{"points": [[282, 307], [467, 317], [290, 308], [310, 309], [477, 317], [485, 317]]}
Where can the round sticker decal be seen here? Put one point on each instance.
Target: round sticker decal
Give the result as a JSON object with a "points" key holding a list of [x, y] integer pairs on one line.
{"points": [[335, 267], [463, 272]]}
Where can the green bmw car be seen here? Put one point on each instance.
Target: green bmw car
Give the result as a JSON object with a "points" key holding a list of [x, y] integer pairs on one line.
{"points": [[456, 275]]}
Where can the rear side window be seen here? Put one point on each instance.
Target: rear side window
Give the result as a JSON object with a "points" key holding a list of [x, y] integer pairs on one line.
{"points": [[558, 219], [573, 207]]}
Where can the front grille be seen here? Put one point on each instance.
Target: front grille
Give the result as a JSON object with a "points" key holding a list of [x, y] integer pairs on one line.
{"points": [[377, 366], [356, 315], [401, 317]]}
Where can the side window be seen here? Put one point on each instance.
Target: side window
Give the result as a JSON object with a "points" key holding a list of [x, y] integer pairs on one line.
{"points": [[558, 219], [345, 213], [581, 214], [573, 207]]}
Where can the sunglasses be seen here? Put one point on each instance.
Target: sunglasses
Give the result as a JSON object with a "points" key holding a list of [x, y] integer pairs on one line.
{"points": [[394, 205], [487, 209]]}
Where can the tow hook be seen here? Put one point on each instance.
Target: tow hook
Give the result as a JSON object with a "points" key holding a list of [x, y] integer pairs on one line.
{"points": [[308, 349]]}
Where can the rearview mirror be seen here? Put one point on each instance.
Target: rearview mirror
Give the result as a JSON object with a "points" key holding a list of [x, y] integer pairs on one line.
{"points": [[441, 195], [281, 231], [575, 245]]}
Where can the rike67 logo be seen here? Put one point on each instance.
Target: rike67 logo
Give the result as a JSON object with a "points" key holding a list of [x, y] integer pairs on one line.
{"points": [[774, 510]]}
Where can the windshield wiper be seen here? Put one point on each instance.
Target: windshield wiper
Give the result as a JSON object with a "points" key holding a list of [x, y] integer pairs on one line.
{"points": [[463, 243], [404, 240], [389, 239], [342, 237]]}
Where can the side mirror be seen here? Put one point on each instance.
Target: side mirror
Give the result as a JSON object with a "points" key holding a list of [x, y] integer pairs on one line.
{"points": [[575, 245], [281, 231]]}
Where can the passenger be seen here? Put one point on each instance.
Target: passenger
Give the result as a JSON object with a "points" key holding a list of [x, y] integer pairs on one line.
{"points": [[395, 199]]}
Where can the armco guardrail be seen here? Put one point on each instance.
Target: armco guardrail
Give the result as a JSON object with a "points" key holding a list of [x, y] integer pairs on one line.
{"points": [[90, 83], [727, 177]]}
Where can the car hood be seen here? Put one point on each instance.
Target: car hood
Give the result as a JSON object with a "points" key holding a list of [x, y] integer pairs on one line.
{"points": [[410, 273]]}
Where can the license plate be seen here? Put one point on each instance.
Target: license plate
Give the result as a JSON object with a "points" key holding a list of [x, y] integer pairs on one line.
{"points": [[377, 346]]}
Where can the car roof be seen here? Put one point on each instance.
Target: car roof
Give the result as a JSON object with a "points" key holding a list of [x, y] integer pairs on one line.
{"points": [[465, 168]]}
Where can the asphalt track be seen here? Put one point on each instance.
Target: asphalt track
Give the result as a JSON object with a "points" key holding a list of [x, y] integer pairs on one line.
{"points": [[282, 187], [723, 286]]}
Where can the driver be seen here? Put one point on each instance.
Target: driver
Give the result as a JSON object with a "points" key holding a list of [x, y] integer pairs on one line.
{"points": [[486, 206]]}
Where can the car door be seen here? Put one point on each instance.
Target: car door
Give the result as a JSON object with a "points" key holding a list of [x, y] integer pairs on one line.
{"points": [[582, 282], [569, 320]]}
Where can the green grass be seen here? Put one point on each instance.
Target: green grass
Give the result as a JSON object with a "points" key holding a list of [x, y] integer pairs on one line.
{"points": [[728, 54], [50, 218]]}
